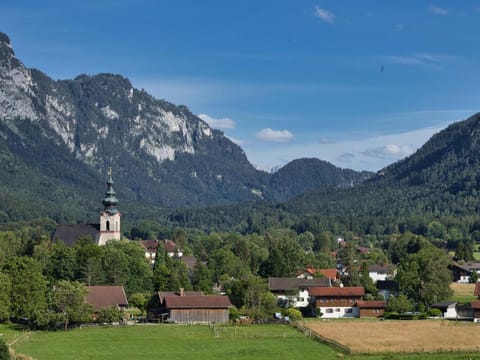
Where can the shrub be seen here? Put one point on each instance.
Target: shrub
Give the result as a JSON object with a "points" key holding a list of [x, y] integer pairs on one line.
{"points": [[293, 314], [4, 353], [435, 312]]}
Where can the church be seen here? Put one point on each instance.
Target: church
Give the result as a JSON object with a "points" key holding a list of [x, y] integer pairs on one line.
{"points": [[107, 229]]}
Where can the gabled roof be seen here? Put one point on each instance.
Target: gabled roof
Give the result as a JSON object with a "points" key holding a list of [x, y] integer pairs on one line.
{"points": [[163, 294], [284, 284], [70, 233], [192, 302], [101, 297], [337, 291], [380, 268], [373, 304], [149, 245], [169, 245], [476, 292], [444, 305]]}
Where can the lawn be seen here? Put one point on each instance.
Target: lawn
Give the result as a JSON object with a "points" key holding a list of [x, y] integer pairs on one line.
{"points": [[202, 342], [462, 293], [173, 342]]}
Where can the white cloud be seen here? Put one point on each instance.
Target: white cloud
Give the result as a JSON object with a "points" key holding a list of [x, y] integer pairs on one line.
{"points": [[437, 10], [324, 15], [390, 151], [369, 153], [274, 135], [236, 141], [223, 123], [423, 59]]}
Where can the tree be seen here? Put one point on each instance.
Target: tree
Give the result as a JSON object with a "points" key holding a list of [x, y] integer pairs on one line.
{"points": [[201, 278], [5, 291], [28, 291], [399, 304], [424, 277], [68, 301], [139, 300]]}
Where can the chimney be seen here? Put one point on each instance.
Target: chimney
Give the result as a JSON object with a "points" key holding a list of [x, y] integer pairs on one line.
{"points": [[182, 292]]}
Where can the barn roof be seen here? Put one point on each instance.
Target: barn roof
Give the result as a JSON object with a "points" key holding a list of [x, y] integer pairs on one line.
{"points": [[101, 297], [192, 302], [163, 294], [373, 304]]}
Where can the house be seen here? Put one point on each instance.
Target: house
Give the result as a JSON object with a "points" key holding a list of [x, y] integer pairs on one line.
{"points": [[294, 291], [107, 229], [150, 247], [462, 272], [310, 273], [448, 309], [171, 249], [371, 308], [337, 302], [381, 272], [189, 307], [102, 297]]}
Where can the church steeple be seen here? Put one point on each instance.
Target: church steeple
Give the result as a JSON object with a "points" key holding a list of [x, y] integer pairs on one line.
{"points": [[110, 201], [109, 216]]}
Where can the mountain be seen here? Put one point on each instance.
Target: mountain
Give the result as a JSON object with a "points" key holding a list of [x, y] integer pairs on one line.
{"points": [[58, 138], [442, 178], [302, 175]]}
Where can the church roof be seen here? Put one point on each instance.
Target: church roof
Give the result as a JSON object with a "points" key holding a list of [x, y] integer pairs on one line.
{"points": [[70, 233]]}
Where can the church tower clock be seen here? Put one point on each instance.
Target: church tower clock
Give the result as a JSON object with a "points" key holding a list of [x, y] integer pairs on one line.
{"points": [[110, 216]]}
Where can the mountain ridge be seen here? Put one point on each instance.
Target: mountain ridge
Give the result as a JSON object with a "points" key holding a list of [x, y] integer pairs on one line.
{"points": [[66, 133]]}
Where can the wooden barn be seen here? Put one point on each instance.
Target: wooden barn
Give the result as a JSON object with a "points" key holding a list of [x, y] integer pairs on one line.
{"points": [[189, 307], [371, 308]]}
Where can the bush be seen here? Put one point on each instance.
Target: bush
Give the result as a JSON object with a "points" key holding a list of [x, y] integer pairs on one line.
{"points": [[109, 315], [435, 312], [233, 313], [293, 314], [4, 353]]}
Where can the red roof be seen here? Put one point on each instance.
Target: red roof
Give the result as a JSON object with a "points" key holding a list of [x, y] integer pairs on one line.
{"points": [[475, 304], [101, 297], [170, 246], [149, 245], [380, 304], [328, 273], [190, 302], [337, 291], [476, 292]]}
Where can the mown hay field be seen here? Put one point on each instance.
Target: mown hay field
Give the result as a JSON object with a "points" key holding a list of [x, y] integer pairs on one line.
{"points": [[462, 292], [401, 336]]}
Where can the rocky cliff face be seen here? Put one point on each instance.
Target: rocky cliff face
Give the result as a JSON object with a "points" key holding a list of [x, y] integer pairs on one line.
{"points": [[58, 138], [164, 154]]}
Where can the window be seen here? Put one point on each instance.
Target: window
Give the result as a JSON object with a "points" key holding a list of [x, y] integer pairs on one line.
{"points": [[329, 311], [348, 311], [108, 225], [337, 310]]}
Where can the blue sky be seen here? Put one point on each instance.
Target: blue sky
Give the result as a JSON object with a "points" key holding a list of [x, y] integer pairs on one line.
{"points": [[358, 83]]}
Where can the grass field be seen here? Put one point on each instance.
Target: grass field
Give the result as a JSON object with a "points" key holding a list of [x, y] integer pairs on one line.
{"points": [[200, 342], [373, 336], [173, 342], [462, 292]]}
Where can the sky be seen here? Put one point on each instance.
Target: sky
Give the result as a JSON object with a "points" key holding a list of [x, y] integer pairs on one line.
{"points": [[360, 84]]}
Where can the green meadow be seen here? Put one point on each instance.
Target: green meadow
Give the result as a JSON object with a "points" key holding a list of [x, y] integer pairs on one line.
{"points": [[185, 342]]}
